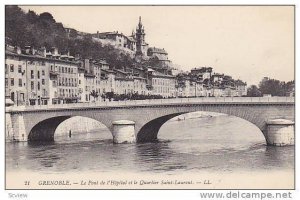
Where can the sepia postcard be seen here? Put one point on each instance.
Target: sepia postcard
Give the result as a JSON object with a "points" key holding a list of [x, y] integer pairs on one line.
{"points": [[149, 97]]}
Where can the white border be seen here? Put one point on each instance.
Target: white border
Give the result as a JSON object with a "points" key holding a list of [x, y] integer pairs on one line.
{"points": [[129, 194]]}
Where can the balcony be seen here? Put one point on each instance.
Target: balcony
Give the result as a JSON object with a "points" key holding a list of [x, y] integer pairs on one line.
{"points": [[53, 73], [149, 87]]}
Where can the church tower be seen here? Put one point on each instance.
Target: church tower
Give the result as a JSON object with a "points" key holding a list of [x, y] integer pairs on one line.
{"points": [[141, 45]]}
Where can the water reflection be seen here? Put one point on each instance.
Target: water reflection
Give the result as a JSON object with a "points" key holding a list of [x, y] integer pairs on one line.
{"points": [[158, 156], [215, 144]]}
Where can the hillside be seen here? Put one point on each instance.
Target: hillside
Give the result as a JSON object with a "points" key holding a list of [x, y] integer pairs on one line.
{"points": [[31, 29]]}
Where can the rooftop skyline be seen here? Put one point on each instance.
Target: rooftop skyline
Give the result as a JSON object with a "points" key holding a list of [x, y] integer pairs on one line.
{"points": [[246, 42]]}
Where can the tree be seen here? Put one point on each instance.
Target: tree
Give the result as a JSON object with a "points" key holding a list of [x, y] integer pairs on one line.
{"points": [[253, 91], [94, 94], [273, 87], [109, 95], [47, 17]]}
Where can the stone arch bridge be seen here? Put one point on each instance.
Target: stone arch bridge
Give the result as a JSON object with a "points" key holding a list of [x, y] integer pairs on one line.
{"points": [[38, 123]]}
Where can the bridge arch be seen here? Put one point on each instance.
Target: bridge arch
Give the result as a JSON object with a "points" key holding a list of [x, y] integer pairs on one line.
{"points": [[258, 116], [149, 132], [45, 129]]}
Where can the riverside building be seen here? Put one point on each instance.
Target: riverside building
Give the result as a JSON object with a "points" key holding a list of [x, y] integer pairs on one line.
{"points": [[38, 77]]}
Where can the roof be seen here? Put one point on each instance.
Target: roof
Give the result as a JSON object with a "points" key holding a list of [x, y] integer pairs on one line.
{"points": [[161, 57], [157, 50], [40, 57], [103, 62], [108, 71], [122, 72], [202, 69], [158, 74], [217, 74], [239, 82], [138, 77], [123, 79]]}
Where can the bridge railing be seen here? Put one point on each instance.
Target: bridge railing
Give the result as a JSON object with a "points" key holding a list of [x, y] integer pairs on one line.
{"points": [[156, 102]]}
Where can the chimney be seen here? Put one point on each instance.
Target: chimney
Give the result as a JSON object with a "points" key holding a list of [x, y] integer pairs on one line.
{"points": [[43, 51], [18, 50], [54, 51], [87, 65], [77, 57], [33, 50], [92, 63], [27, 49]]}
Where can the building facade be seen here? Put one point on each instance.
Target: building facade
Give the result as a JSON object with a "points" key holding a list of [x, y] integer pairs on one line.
{"points": [[161, 84]]}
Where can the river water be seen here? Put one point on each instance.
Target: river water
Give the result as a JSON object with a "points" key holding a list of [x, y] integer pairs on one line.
{"points": [[206, 144]]}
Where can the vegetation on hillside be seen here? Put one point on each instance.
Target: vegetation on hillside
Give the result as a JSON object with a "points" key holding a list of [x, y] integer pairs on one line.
{"points": [[43, 31]]}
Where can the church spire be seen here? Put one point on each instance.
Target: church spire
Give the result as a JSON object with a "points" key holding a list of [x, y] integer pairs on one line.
{"points": [[140, 22], [140, 38]]}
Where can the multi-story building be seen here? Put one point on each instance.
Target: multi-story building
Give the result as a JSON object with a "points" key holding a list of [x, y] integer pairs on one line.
{"points": [[64, 73], [185, 89], [241, 88], [161, 84], [139, 85], [83, 96], [26, 77], [203, 73], [107, 83], [37, 77], [134, 44], [128, 83], [217, 91], [90, 80], [124, 85], [159, 55], [195, 88]]}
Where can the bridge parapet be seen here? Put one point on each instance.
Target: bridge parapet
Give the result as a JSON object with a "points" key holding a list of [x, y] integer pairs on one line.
{"points": [[149, 102]]}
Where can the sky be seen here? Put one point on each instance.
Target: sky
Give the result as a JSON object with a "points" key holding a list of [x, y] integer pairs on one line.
{"points": [[246, 42]]}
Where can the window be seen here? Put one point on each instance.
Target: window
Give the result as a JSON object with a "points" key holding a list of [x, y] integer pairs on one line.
{"points": [[32, 85], [20, 82], [11, 68], [12, 96], [20, 68], [38, 74], [12, 82], [43, 81], [22, 97], [32, 74], [79, 81], [6, 82], [39, 86], [6, 68], [32, 102], [43, 72]]}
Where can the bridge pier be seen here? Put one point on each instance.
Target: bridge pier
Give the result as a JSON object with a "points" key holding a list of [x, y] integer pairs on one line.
{"points": [[9, 128], [123, 132], [15, 128], [280, 132]]}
